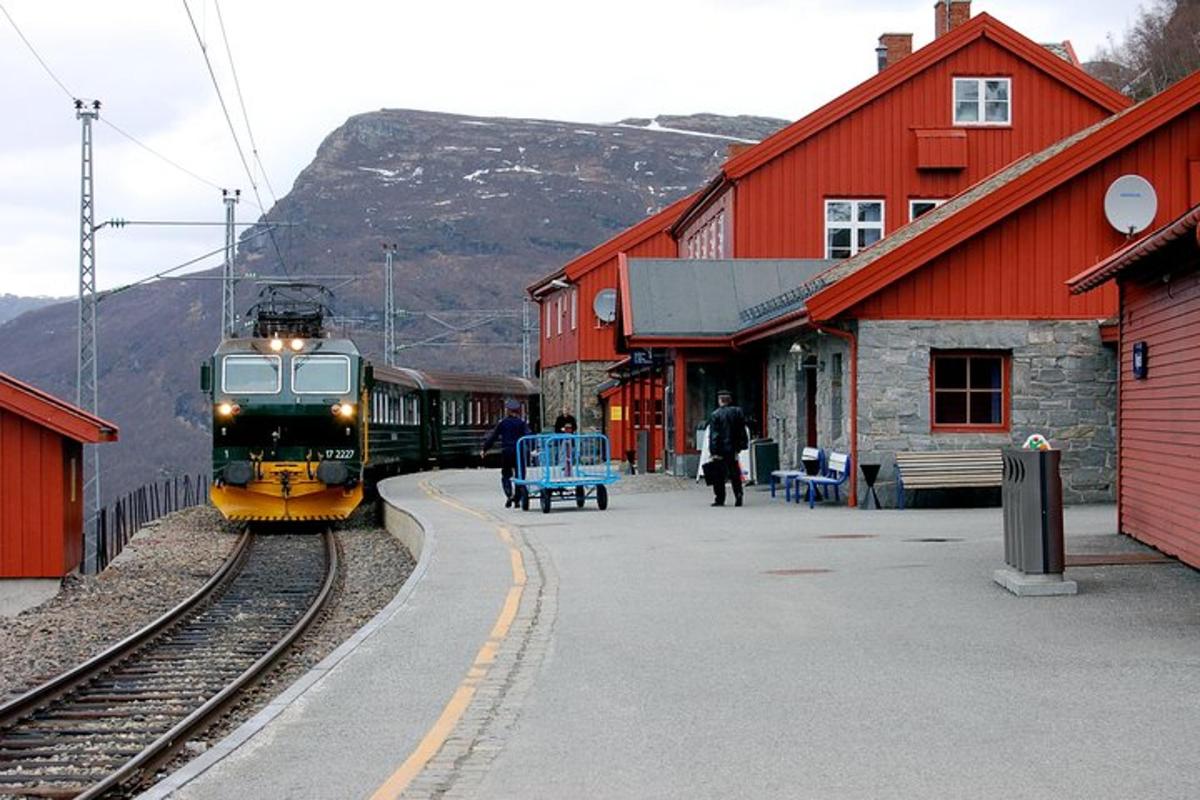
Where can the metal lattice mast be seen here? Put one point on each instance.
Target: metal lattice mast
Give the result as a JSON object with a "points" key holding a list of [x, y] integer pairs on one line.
{"points": [[87, 394], [526, 351], [228, 284], [389, 307]]}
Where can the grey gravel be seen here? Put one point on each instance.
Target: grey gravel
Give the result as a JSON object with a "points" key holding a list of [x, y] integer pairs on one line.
{"points": [[159, 568], [374, 566]]}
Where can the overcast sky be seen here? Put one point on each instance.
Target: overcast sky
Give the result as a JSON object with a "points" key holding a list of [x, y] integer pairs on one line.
{"points": [[305, 67]]}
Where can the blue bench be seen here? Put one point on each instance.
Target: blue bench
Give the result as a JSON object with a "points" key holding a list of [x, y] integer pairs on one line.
{"points": [[835, 475]]}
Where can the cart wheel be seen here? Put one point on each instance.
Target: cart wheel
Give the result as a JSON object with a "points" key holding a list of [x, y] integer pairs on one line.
{"points": [[524, 498], [580, 496], [545, 495], [602, 496]]}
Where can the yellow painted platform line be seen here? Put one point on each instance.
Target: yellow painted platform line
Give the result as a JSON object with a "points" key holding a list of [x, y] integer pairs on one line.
{"points": [[437, 735]]}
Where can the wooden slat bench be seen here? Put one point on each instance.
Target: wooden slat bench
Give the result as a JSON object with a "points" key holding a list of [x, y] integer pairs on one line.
{"points": [[947, 469]]}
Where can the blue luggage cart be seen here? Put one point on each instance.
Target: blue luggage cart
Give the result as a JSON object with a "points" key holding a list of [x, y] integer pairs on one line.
{"points": [[563, 466]]}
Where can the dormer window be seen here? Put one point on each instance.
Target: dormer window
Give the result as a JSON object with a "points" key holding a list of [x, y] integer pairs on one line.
{"points": [[982, 101]]}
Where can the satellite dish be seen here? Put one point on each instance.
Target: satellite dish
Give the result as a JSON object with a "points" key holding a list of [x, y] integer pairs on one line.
{"points": [[1130, 204], [605, 305]]}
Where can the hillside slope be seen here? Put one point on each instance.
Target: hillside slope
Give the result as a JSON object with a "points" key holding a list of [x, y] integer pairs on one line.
{"points": [[478, 208]]}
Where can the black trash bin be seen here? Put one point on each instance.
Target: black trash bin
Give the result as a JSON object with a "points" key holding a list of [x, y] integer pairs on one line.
{"points": [[1031, 492]]}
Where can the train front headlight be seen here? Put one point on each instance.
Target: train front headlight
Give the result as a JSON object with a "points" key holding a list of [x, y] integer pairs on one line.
{"points": [[343, 410], [276, 344], [297, 344], [228, 409]]}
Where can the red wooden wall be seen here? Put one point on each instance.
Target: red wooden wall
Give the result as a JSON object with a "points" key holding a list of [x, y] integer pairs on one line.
{"points": [[591, 341], [1159, 417], [779, 208], [1018, 268], [41, 509]]}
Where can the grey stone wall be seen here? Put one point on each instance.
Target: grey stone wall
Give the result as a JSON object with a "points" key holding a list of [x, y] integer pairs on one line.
{"points": [[1063, 386], [561, 385], [786, 394]]}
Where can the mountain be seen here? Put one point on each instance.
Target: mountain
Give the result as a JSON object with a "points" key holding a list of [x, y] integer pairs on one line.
{"points": [[477, 208], [12, 306]]}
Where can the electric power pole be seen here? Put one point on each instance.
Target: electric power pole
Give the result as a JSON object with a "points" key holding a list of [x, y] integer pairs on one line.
{"points": [[86, 386], [389, 307], [228, 285]]}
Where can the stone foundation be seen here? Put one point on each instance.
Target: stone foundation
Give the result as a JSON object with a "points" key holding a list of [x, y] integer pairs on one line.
{"points": [[575, 385], [1063, 383]]}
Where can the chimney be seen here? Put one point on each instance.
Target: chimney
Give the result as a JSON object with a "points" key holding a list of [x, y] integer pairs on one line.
{"points": [[949, 14], [737, 148], [893, 47]]}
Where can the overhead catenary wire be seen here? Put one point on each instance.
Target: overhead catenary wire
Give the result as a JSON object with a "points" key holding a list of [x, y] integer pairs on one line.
{"points": [[237, 85], [166, 272], [54, 77], [36, 55], [237, 143]]}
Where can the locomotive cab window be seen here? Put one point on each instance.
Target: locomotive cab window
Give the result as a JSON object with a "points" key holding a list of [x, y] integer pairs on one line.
{"points": [[245, 374], [320, 374]]}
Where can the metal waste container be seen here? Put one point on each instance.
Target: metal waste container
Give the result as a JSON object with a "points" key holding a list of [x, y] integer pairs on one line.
{"points": [[642, 452], [764, 459], [1033, 511]]}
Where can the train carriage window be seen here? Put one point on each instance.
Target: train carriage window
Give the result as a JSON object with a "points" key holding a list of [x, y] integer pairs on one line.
{"points": [[414, 411], [247, 374], [470, 412], [321, 374]]}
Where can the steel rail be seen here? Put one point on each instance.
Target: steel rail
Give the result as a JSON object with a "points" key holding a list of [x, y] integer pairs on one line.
{"points": [[165, 746], [26, 704]]}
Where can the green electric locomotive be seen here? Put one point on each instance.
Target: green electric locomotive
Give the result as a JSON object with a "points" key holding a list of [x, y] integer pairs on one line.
{"points": [[301, 421]]}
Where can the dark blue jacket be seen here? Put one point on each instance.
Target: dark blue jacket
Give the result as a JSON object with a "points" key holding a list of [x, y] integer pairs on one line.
{"points": [[508, 431]]}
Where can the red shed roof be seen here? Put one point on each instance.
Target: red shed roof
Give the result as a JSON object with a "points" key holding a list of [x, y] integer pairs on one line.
{"points": [[47, 410], [980, 26], [654, 224], [1135, 251]]}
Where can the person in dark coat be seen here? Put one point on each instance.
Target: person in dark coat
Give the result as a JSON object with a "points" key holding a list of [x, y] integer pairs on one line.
{"points": [[727, 438], [564, 421], [508, 431]]}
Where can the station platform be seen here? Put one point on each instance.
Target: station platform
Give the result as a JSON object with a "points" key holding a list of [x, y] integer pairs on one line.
{"points": [[666, 649]]}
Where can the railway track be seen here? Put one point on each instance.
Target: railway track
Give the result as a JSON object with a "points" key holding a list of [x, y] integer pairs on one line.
{"points": [[108, 723]]}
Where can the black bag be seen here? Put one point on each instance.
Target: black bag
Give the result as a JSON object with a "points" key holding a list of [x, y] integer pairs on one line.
{"points": [[714, 472]]}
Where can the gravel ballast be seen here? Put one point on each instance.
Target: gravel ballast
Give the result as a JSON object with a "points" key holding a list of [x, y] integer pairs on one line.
{"points": [[159, 568], [163, 565]]}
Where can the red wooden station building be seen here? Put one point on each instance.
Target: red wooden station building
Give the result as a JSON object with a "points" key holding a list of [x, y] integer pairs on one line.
{"points": [[41, 480], [850, 178]]}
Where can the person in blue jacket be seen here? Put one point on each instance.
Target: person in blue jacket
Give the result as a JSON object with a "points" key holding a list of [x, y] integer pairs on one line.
{"points": [[508, 430]]}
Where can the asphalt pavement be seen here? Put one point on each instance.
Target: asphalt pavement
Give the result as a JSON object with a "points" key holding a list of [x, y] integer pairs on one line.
{"points": [[665, 649]]}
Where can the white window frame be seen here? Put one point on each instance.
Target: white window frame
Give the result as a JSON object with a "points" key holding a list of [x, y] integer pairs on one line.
{"points": [[548, 304], [574, 307], [259, 357], [912, 201], [853, 223], [981, 102], [560, 313], [321, 357]]}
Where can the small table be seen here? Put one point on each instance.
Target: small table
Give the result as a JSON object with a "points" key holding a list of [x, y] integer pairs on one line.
{"points": [[812, 467], [870, 475]]}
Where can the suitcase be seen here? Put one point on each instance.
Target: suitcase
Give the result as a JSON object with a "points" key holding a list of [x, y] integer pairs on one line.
{"points": [[714, 472]]}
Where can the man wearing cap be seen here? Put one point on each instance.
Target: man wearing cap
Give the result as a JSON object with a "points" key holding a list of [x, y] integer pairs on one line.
{"points": [[727, 438], [508, 430]]}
